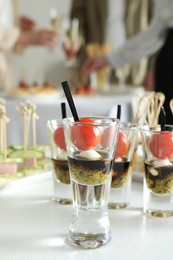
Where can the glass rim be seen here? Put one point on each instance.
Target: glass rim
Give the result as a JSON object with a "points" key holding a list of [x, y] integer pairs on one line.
{"points": [[156, 129], [130, 125], [53, 122], [101, 120]]}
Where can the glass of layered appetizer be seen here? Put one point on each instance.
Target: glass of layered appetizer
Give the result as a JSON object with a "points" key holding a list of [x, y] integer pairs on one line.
{"points": [[122, 167], [90, 167], [158, 160], [61, 180]]}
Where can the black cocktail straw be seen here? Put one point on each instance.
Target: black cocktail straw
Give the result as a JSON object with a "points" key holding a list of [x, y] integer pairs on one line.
{"points": [[119, 112], [63, 110], [162, 118], [68, 95]]}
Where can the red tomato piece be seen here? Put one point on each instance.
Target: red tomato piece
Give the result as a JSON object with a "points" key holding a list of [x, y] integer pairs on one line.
{"points": [[59, 138], [161, 145], [87, 136], [80, 90], [89, 89], [122, 145]]}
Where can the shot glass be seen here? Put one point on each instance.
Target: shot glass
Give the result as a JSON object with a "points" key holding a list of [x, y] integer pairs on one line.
{"points": [[122, 166], [158, 180], [91, 150], [62, 192]]}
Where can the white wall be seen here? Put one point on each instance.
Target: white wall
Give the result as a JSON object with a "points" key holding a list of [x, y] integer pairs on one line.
{"points": [[38, 63]]}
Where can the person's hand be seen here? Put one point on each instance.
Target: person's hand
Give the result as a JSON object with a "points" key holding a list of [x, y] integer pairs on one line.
{"points": [[94, 64], [45, 38], [42, 37], [27, 23]]}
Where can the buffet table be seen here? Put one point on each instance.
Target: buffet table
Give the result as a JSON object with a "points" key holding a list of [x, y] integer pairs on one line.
{"points": [[34, 227], [48, 107]]}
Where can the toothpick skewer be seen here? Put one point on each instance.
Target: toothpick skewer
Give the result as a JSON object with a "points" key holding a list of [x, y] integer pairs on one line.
{"points": [[1, 134], [25, 111], [34, 118], [146, 109], [1, 128], [171, 106], [150, 111], [2, 108], [4, 121], [27, 121], [159, 99], [5, 136], [28, 110], [139, 106]]}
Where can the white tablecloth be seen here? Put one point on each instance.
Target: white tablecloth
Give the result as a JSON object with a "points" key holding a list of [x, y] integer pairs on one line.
{"points": [[33, 227], [49, 108]]}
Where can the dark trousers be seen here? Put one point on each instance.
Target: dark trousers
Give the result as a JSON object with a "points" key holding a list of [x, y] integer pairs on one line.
{"points": [[164, 74]]}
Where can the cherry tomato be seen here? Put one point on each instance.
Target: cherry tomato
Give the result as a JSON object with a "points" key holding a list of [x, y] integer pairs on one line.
{"points": [[59, 138], [23, 85], [80, 90], [122, 145], [89, 89], [161, 145], [87, 136]]}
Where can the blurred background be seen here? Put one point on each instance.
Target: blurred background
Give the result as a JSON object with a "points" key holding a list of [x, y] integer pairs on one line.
{"points": [[41, 63], [63, 34]]}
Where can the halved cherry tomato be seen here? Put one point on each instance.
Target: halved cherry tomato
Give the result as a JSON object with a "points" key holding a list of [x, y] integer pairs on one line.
{"points": [[122, 142], [59, 138], [87, 136], [122, 145], [161, 145]]}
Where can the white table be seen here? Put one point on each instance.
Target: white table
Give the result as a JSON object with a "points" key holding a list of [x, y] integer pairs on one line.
{"points": [[49, 108], [33, 227]]}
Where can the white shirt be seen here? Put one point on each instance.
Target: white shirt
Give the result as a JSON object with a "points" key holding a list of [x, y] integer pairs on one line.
{"points": [[147, 42], [9, 34], [6, 13], [8, 31]]}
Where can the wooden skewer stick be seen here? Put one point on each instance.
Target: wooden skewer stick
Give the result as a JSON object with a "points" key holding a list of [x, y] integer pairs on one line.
{"points": [[25, 128], [146, 109], [4, 120], [1, 132], [28, 110], [34, 118], [159, 99], [29, 107], [25, 111], [141, 108], [171, 106], [150, 111], [134, 102], [34, 132], [2, 109]]}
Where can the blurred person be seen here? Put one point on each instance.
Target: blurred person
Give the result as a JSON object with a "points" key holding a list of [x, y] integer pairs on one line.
{"points": [[110, 22], [138, 14], [17, 33], [98, 20], [158, 36]]}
